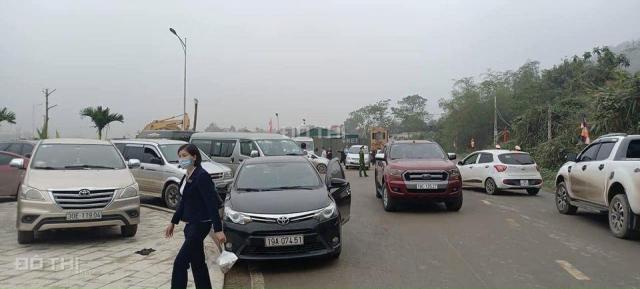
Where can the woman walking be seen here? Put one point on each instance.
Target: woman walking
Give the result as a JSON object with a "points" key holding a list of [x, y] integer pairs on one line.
{"points": [[198, 209]]}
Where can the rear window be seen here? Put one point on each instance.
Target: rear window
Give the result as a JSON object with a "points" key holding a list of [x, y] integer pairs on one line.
{"points": [[633, 152], [516, 159]]}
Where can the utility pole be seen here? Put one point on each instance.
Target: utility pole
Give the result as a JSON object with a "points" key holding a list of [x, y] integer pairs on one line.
{"points": [[548, 121], [45, 127], [195, 114], [278, 121], [495, 120], [183, 44]]}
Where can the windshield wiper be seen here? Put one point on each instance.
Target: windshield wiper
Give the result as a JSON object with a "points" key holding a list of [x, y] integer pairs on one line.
{"points": [[289, 188], [88, 167], [249, 190], [47, 168]]}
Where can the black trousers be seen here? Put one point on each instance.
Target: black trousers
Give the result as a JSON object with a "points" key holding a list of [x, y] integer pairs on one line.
{"points": [[192, 253]]}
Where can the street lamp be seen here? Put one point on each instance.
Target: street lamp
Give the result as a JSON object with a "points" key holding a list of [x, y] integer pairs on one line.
{"points": [[278, 121], [184, 99]]}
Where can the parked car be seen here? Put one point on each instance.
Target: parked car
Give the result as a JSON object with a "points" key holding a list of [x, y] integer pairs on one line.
{"points": [[231, 148], [10, 178], [415, 170], [159, 174], [319, 162], [280, 208], [353, 157], [73, 183], [20, 147], [496, 170], [605, 176], [182, 135]]}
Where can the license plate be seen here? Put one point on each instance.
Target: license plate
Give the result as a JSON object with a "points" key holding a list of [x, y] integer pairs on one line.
{"points": [[89, 215], [524, 183], [288, 240], [427, 186]]}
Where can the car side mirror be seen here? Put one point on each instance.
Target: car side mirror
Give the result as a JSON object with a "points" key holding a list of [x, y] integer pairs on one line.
{"points": [[460, 163], [156, 161], [314, 157], [17, 163], [338, 183], [571, 157], [27, 156], [452, 156], [254, 154], [133, 163], [380, 157]]}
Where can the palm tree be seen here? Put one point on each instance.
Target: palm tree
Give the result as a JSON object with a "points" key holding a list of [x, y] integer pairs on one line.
{"points": [[101, 117], [8, 116]]}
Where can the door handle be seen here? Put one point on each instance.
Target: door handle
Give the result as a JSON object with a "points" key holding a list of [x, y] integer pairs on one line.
{"points": [[232, 159], [601, 167], [637, 170], [486, 167], [141, 167], [584, 167]]}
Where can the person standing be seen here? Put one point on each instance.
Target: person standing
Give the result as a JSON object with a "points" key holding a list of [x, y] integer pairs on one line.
{"points": [[362, 166], [330, 154], [303, 146], [324, 153], [198, 209]]}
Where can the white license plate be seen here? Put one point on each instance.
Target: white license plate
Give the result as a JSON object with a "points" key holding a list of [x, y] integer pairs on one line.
{"points": [[427, 186], [87, 215], [524, 183], [288, 240]]}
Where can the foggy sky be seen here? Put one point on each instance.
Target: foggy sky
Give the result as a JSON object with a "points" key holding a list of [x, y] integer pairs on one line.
{"points": [[247, 60]]}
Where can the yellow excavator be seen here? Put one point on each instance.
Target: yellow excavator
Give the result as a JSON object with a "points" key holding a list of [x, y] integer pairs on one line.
{"points": [[177, 122]]}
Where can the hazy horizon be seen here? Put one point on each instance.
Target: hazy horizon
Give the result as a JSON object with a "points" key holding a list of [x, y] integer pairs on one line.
{"points": [[247, 60]]}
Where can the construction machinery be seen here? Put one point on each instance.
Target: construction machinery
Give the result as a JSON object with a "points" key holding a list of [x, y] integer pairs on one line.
{"points": [[178, 122]]}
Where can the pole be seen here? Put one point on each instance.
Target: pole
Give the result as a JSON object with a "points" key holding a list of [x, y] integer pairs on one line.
{"points": [[548, 121], [278, 121], [184, 93], [195, 114], [45, 126], [495, 120]]}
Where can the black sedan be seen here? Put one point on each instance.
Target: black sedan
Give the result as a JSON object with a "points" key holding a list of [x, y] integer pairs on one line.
{"points": [[281, 208]]}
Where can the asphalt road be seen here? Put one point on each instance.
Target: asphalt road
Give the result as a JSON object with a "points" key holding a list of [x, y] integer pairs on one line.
{"points": [[508, 240]]}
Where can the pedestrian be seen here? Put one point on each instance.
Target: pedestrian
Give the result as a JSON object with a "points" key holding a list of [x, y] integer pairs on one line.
{"points": [[343, 156], [324, 153], [362, 167], [303, 146], [330, 154], [517, 148], [198, 209]]}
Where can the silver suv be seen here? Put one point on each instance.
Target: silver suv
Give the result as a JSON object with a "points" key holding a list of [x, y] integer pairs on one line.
{"points": [[76, 183], [159, 174]]}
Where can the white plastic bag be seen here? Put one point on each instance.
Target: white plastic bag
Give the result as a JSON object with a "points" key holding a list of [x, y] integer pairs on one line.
{"points": [[226, 259]]}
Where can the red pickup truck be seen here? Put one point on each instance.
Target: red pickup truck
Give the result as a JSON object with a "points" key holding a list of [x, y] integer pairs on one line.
{"points": [[417, 170]]}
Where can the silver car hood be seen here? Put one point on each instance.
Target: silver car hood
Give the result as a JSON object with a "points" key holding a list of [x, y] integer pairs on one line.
{"points": [[78, 179], [210, 167]]}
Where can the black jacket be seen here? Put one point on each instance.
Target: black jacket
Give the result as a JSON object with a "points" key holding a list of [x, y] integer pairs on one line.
{"points": [[200, 200]]}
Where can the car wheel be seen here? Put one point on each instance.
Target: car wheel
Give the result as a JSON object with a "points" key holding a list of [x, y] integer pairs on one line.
{"points": [[322, 168], [563, 203], [171, 196], [454, 205], [490, 186], [533, 191], [621, 217], [128, 231], [25, 237], [388, 203], [377, 188]]}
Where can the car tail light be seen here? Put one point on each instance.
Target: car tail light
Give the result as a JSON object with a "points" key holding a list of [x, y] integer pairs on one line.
{"points": [[500, 168]]}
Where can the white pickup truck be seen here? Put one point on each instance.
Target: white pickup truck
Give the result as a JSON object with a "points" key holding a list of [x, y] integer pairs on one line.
{"points": [[605, 177]]}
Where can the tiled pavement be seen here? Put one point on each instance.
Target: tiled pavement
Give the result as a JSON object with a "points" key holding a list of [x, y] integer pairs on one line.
{"points": [[94, 257]]}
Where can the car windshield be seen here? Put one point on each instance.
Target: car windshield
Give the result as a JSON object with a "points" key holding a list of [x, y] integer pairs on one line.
{"points": [[430, 151], [277, 176], [516, 159], [279, 147], [170, 152], [355, 150], [77, 156]]}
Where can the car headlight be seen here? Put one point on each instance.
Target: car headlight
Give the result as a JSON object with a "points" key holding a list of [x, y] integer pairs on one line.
{"points": [[235, 217], [228, 175], [327, 213], [129, 192], [454, 174], [395, 172], [31, 194]]}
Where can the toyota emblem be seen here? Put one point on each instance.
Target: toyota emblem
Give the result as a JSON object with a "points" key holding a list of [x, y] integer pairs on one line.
{"points": [[283, 220], [84, 193]]}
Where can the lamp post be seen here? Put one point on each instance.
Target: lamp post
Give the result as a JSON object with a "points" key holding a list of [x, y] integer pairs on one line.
{"points": [[184, 93], [278, 121]]}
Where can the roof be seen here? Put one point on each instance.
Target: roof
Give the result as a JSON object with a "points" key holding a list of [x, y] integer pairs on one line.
{"points": [[499, 151], [410, 141], [237, 135], [302, 138], [19, 141], [159, 141], [75, 141], [276, 159]]}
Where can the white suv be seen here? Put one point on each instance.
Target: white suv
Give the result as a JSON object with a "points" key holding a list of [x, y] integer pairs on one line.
{"points": [[73, 183], [605, 177]]}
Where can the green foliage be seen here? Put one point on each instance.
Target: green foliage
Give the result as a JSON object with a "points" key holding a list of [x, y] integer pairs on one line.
{"points": [[411, 113], [8, 116], [101, 117]]}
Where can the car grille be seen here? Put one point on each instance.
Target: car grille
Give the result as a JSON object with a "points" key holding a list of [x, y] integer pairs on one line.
{"points": [[282, 232], [261, 250], [426, 176], [96, 199], [217, 176]]}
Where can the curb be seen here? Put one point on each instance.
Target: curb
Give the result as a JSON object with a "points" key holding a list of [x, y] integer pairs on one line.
{"points": [[217, 277]]}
